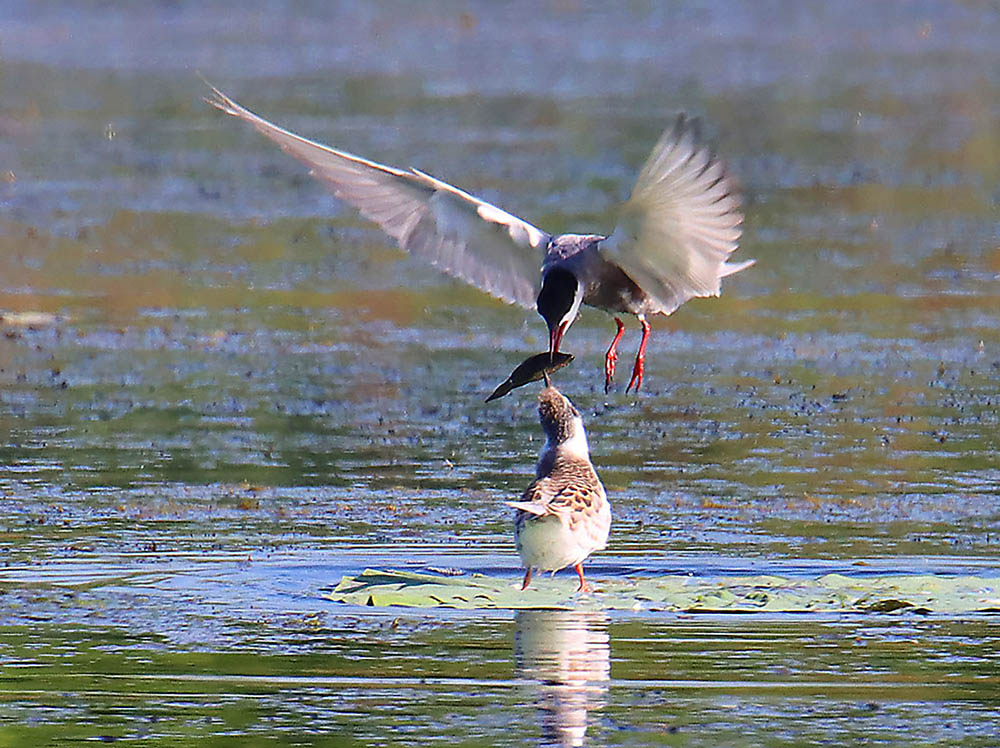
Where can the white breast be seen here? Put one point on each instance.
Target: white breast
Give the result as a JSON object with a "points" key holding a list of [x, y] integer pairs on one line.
{"points": [[576, 445]]}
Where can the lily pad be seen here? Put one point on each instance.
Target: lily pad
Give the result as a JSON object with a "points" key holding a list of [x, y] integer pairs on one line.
{"points": [[922, 593]]}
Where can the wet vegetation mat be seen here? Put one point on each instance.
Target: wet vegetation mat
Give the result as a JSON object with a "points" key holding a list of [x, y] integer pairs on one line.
{"points": [[830, 593]]}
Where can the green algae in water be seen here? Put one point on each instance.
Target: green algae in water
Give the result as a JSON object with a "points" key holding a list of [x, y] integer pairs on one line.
{"points": [[830, 593]]}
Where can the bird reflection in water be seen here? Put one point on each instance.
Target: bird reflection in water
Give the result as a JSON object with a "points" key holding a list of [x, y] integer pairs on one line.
{"points": [[567, 655]]}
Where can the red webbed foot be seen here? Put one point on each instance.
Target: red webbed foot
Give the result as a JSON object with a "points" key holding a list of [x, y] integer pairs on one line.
{"points": [[640, 359], [612, 356]]}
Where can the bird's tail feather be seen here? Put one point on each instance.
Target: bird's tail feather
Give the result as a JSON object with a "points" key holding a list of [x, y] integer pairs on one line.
{"points": [[532, 507]]}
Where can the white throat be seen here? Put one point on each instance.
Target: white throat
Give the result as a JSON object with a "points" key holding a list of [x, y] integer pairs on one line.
{"points": [[574, 309], [576, 446]]}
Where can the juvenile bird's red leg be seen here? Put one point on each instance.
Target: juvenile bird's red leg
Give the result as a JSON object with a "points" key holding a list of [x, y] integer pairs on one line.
{"points": [[527, 579], [612, 357], [583, 583], [640, 359]]}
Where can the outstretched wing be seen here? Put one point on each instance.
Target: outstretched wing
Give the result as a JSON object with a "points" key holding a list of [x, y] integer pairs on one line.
{"points": [[457, 232], [681, 223]]}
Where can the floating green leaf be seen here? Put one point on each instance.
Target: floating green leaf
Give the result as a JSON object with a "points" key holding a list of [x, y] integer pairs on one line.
{"points": [[770, 594]]}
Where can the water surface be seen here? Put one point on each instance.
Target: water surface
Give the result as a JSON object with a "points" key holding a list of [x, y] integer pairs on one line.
{"points": [[220, 391]]}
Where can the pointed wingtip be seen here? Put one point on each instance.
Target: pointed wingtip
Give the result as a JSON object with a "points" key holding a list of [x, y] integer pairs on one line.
{"points": [[219, 100], [731, 268]]}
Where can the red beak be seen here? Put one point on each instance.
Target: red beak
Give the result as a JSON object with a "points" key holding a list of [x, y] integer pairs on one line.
{"points": [[555, 338]]}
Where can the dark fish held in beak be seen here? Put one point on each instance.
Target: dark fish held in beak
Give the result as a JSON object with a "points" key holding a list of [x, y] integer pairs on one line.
{"points": [[531, 370]]}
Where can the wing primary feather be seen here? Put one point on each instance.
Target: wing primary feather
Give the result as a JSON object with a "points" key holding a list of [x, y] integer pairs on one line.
{"points": [[459, 233]]}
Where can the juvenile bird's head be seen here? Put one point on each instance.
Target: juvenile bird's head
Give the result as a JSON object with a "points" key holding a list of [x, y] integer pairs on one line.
{"points": [[562, 424]]}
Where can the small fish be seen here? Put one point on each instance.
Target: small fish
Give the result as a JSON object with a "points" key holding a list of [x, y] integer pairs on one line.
{"points": [[531, 370]]}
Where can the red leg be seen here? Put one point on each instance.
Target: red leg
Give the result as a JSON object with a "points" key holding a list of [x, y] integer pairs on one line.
{"points": [[583, 583], [612, 356], [640, 358], [527, 579]]}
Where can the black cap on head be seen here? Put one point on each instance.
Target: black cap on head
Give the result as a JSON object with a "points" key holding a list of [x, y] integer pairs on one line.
{"points": [[555, 301]]}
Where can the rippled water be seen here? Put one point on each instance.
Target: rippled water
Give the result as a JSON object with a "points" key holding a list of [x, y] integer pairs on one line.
{"points": [[220, 391]]}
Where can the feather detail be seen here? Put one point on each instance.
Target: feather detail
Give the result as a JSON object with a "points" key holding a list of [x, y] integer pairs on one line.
{"points": [[460, 234], [531, 507], [681, 223]]}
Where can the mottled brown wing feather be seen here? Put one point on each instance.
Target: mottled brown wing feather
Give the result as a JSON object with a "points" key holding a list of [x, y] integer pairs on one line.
{"points": [[574, 488]]}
